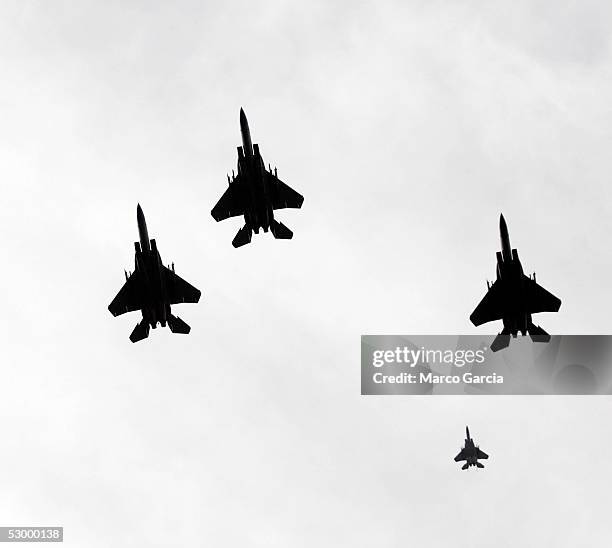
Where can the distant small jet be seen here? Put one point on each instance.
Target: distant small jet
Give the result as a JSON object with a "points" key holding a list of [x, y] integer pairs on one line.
{"points": [[513, 298], [152, 288], [470, 453], [255, 193]]}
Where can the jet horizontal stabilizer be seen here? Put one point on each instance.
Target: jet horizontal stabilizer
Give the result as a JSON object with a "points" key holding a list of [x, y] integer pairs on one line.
{"points": [[141, 331], [243, 237], [280, 231], [501, 341], [537, 334], [177, 325]]}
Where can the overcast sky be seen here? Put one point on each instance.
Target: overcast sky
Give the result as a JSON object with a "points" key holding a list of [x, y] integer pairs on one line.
{"points": [[408, 127]]}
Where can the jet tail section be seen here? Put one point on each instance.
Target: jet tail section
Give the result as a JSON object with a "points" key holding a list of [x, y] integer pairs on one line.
{"points": [[177, 325], [465, 466], [243, 237], [141, 331], [280, 231], [479, 465]]}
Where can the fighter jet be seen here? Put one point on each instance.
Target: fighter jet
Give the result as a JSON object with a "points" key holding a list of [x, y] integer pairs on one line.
{"points": [[255, 193], [513, 298], [470, 453], [152, 288]]}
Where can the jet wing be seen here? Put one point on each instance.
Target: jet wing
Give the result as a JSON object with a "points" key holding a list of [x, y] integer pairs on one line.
{"points": [[461, 456], [481, 454], [180, 291], [129, 297], [491, 307], [538, 299], [283, 195], [232, 203]]}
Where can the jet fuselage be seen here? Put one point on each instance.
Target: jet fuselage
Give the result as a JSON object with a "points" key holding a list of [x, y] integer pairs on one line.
{"points": [[516, 318], [251, 168], [149, 265]]}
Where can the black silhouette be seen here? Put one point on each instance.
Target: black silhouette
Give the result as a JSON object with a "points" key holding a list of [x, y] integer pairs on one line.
{"points": [[513, 298], [255, 193], [470, 453], [152, 288]]}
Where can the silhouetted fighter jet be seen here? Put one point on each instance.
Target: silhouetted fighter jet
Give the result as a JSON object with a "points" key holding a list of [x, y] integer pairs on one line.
{"points": [[513, 298], [470, 453], [255, 193], [152, 288]]}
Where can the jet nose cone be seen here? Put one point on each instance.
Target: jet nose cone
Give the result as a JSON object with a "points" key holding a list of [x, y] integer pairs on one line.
{"points": [[503, 227]]}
